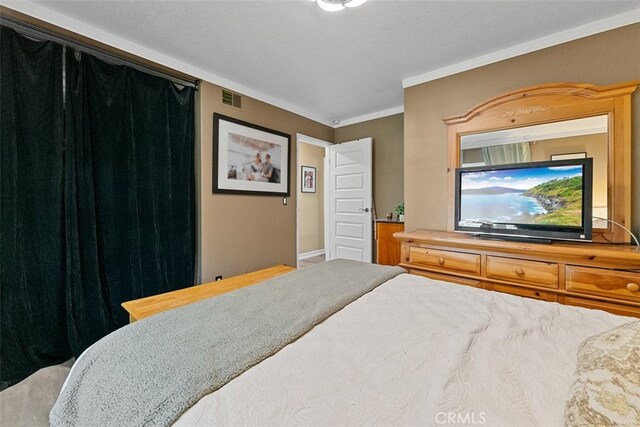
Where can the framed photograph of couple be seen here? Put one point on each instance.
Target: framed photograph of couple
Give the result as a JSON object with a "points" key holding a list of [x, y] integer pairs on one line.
{"points": [[249, 159], [308, 175]]}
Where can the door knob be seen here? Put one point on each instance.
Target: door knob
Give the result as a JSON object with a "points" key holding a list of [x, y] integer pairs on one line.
{"points": [[363, 209]]}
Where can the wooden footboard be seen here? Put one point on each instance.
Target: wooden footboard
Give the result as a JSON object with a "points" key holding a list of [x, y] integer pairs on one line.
{"points": [[148, 306]]}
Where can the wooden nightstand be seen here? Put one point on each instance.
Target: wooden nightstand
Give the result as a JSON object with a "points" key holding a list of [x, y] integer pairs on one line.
{"points": [[387, 247]]}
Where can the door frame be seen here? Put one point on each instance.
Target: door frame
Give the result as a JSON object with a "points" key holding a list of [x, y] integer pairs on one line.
{"points": [[305, 139]]}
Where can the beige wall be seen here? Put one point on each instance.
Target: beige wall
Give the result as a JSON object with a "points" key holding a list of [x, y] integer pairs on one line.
{"points": [[594, 145], [388, 160], [311, 205], [605, 58], [237, 233]]}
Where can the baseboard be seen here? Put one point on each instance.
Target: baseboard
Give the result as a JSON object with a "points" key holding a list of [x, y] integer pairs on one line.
{"points": [[310, 254]]}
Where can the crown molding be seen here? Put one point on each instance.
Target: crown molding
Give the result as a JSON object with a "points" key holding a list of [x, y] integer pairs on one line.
{"points": [[575, 33], [39, 12], [371, 116]]}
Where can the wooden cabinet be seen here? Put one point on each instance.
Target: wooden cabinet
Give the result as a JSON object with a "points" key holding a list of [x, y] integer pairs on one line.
{"points": [[599, 276], [387, 247]]}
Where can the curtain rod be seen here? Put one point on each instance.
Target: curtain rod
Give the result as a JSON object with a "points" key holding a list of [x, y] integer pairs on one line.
{"points": [[42, 34]]}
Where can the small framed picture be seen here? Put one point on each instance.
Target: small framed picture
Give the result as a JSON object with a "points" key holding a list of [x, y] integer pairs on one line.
{"points": [[569, 156], [249, 159], [308, 177]]}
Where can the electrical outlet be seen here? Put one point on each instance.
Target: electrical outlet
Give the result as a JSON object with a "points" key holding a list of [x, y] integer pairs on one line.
{"points": [[218, 278]]}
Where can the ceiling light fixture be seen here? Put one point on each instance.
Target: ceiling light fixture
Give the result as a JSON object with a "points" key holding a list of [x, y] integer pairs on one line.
{"points": [[336, 5]]}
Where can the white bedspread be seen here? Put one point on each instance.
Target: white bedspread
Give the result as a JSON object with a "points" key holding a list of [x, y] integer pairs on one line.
{"points": [[416, 352]]}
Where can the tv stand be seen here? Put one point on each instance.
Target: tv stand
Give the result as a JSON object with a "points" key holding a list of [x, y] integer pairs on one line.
{"points": [[599, 276]]}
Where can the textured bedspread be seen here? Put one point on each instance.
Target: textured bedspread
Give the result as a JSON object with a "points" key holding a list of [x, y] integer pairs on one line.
{"points": [[416, 352], [149, 372]]}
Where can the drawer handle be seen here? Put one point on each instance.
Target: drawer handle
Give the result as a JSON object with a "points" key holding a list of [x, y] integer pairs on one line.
{"points": [[633, 287], [519, 271], [440, 260]]}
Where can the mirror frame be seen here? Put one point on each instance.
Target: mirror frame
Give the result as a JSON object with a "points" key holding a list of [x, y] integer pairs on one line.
{"points": [[554, 102]]}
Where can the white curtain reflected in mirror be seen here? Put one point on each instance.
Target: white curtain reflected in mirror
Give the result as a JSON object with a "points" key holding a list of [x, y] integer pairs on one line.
{"points": [[520, 152], [586, 137]]}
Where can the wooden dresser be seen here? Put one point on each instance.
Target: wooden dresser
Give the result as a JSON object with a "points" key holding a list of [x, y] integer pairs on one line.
{"points": [[600, 276], [388, 248]]}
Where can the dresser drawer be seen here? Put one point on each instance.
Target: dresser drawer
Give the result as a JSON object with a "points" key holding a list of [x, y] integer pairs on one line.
{"points": [[523, 292], [445, 260], [447, 278], [600, 281], [522, 271], [620, 310]]}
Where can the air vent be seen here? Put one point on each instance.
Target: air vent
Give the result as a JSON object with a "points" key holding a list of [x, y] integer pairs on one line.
{"points": [[231, 99]]}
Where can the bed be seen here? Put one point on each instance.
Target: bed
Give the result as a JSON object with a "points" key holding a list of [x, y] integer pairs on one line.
{"points": [[414, 351]]}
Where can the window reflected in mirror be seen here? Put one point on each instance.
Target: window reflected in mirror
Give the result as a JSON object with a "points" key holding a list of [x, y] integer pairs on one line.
{"points": [[586, 137]]}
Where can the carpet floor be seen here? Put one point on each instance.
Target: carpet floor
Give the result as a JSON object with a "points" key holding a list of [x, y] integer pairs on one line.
{"points": [[28, 403], [311, 261]]}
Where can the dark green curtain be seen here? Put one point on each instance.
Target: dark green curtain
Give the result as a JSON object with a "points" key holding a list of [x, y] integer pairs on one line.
{"points": [[32, 263], [96, 210], [129, 192]]}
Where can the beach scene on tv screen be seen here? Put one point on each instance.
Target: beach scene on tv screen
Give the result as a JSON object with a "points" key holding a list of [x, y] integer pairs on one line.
{"points": [[541, 196]]}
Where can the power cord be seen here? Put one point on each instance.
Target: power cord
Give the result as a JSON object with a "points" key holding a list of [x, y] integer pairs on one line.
{"points": [[621, 226]]}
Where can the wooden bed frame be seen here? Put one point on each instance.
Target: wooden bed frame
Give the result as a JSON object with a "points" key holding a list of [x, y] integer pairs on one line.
{"points": [[148, 306]]}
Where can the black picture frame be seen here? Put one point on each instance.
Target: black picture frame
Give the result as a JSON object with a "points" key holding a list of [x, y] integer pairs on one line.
{"points": [[308, 179], [234, 171]]}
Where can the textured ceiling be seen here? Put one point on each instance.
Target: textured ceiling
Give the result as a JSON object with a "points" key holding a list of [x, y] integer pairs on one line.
{"points": [[323, 65]]}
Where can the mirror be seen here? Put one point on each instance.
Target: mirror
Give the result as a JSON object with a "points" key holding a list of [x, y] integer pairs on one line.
{"points": [[567, 139], [554, 121]]}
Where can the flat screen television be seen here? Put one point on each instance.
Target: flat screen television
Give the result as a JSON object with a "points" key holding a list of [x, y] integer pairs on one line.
{"points": [[526, 201]]}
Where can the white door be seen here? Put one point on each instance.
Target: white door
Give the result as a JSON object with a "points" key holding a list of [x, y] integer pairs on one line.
{"points": [[350, 220]]}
